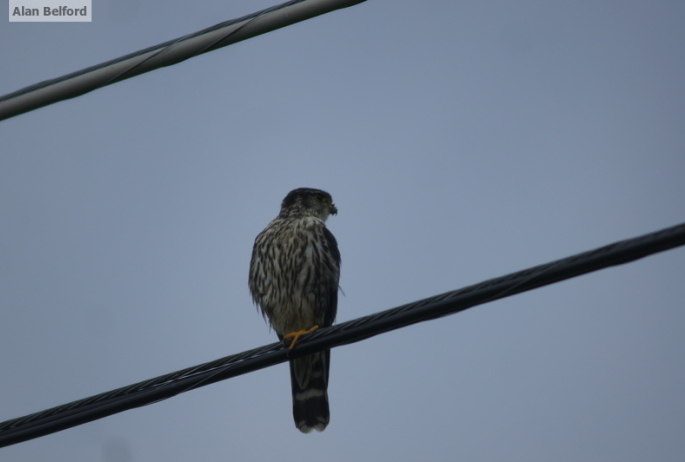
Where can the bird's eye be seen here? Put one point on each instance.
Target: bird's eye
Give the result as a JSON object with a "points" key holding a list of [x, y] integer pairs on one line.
{"points": [[322, 198]]}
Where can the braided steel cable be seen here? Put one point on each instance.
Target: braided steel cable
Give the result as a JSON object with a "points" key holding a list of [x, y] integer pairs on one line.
{"points": [[163, 387], [165, 54]]}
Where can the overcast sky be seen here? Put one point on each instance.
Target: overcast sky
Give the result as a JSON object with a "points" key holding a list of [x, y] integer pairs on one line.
{"points": [[460, 141]]}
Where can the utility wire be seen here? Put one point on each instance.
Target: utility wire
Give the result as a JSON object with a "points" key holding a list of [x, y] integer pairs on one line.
{"points": [[164, 54], [153, 390]]}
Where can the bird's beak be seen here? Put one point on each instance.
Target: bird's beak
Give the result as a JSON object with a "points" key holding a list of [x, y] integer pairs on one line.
{"points": [[333, 210]]}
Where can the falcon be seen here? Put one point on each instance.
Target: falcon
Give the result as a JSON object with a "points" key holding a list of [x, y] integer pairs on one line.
{"points": [[294, 276]]}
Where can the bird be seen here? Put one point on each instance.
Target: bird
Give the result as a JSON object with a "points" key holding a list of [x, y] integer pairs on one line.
{"points": [[294, 280]]}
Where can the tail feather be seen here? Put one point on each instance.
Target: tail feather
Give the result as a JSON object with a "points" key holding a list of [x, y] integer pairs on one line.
{"points": [[309, 379]]}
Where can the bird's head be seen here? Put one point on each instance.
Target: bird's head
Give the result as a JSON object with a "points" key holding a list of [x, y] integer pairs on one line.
{"points": [[309, 202]]}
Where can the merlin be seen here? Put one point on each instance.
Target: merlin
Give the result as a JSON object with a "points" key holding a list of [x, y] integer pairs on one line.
{"points": [[294, 276]]}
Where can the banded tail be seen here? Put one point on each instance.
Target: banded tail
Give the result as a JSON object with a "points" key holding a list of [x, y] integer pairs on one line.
{"points": [[309, 379]]}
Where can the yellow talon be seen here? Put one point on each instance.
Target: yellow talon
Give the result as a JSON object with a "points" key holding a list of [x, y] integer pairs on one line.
{"points": [[296, 336]]}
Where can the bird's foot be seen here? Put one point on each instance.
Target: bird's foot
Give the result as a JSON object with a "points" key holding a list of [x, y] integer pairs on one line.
{"points": [[296, 336]]}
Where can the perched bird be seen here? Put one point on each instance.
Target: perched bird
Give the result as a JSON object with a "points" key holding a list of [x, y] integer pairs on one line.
{"points": [[294, 276]]}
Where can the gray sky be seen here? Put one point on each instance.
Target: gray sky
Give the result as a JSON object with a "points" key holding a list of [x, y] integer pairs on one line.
{"points": [[460, 141]]}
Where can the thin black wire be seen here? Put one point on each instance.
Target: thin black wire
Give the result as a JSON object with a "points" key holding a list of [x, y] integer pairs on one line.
{"points": [[163, 387], [16, 103]]}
